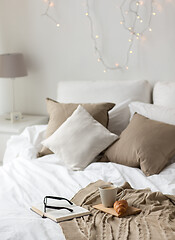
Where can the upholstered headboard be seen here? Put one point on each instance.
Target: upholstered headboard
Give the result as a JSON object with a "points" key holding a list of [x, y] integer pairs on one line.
{"points": [[103, 91]]}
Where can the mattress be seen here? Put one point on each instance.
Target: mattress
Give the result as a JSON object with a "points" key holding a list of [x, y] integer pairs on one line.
{"points": [[26, 180]]}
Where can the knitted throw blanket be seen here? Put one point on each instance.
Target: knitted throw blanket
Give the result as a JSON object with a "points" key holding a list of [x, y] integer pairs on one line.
{"points": [[155, 222]]}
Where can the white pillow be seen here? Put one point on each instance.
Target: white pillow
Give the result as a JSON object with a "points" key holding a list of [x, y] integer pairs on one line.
{"points": [[119, 117], [154, 112], [103, 91], [79, 140], [164, 94]]}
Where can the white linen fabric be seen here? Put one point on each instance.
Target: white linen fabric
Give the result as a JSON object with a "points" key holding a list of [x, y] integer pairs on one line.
{"points": [[25, 181], [79, 140], [164, 94], [103, 91], [119, 117], [26, 145], [154, 112]]}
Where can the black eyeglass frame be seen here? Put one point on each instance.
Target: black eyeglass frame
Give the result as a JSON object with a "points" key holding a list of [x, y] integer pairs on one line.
{"points": [[54, 207]]}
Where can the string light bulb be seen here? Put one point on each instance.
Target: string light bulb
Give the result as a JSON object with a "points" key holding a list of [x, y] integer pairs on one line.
{"points": [[143, 38], [130, 40], [58, 24], [51, 4], [153, 13], [98, 59], [96, 36], [104, 71], [87, 14], [117, 65], [121, 22], [150, 29], [141, 2], [130, 51]]}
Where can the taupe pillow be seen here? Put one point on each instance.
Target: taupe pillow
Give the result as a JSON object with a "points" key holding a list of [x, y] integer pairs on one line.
{"points": [[145, 143], [59, 112]]}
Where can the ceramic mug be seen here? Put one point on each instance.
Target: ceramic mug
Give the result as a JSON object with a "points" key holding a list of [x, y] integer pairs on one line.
{"points": [[108, 195]]}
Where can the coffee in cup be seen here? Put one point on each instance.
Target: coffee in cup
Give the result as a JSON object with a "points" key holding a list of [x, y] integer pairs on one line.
{"points": [[108, 195]]}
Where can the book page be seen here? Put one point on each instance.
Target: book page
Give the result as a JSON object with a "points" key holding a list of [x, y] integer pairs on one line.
{"points": [[63, 214]]}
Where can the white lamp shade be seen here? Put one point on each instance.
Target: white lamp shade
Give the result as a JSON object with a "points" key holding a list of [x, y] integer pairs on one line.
{"points": [[12, 65]]}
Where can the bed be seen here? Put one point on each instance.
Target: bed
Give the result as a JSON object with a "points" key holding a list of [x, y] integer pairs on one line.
{"points": [[26, 179]]}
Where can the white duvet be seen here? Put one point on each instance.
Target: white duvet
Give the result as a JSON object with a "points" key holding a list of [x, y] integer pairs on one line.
{"points": [[25, 180]]}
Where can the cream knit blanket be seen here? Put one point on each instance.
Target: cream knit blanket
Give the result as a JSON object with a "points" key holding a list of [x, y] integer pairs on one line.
{"points": [[155, 222]]}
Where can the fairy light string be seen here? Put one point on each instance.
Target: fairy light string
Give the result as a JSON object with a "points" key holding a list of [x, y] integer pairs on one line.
{"points": [[130, 29], [50, 4], [134, 8]]}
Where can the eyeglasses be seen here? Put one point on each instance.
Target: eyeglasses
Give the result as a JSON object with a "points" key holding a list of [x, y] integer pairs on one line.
{"points": [[54, 207]]}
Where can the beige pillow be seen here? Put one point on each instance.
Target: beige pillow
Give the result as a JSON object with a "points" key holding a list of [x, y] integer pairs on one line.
{"points": [[59, 112], [79, 140], [145, 143]]}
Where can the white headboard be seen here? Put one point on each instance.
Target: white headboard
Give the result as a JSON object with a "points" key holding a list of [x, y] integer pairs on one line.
{"points": [[103, 91]]}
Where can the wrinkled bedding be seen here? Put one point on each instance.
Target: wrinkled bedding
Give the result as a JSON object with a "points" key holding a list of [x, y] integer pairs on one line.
{"points": [[156, 220], [25, 180]]}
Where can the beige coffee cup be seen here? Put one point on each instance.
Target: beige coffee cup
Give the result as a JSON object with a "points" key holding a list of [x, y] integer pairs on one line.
{"points": [[108, 195]]}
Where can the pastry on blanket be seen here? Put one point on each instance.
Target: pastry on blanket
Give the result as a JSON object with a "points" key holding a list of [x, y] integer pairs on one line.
{"points": [[120, 207]]}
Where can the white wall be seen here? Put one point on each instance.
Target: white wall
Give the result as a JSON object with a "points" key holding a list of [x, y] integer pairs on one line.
{"points": [[67, 53]]}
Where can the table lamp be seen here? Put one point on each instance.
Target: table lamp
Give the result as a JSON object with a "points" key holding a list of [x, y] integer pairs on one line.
{"points": [[12, 66]]}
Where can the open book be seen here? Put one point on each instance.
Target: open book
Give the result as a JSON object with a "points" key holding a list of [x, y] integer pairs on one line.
{"points": [[60, 215]]}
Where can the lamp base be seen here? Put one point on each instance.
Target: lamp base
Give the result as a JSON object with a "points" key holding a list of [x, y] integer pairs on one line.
{"points": [[14, 116]]}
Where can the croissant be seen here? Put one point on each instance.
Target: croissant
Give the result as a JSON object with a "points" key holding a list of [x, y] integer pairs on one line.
{"points": [[120, 207]]}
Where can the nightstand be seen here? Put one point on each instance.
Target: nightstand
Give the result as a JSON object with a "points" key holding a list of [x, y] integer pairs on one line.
{"points": [[7, 129]]}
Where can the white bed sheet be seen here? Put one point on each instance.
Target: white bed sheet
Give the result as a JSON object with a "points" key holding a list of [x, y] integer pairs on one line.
{"points": [[25, 181]]}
